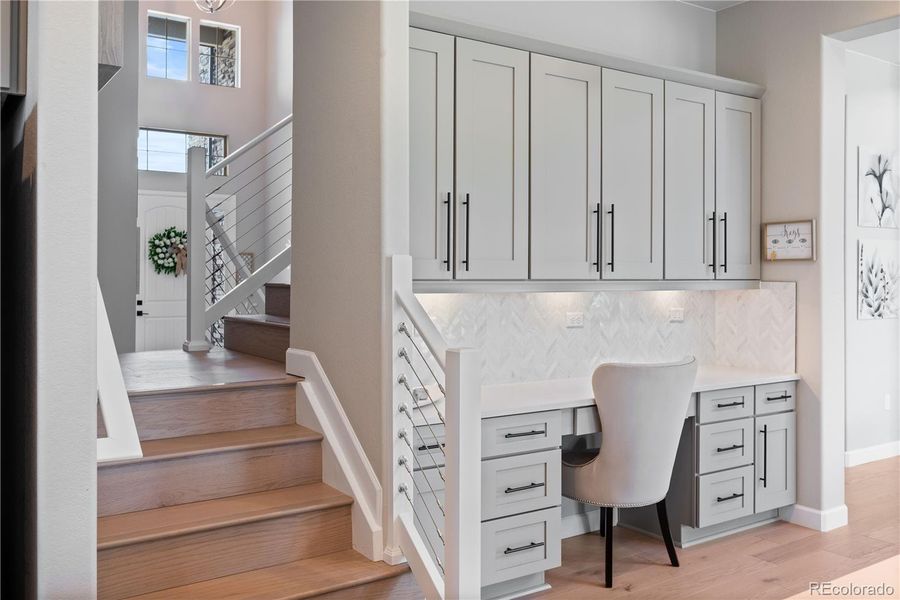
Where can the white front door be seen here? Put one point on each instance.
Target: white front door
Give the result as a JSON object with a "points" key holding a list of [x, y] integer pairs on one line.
{"points": [[162, 299]]}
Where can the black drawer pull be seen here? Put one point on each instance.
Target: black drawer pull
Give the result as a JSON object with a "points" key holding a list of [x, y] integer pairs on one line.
{"points": [[727, 498], [765, 476], [430, 447], [732, 447], [530, 546], [778, 398], [530, 486], [525, 433], [730, 404]]}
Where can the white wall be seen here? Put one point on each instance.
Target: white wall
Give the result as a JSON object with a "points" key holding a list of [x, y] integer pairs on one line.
{"points": [[665, 33], [779, 45], [873, 121]]}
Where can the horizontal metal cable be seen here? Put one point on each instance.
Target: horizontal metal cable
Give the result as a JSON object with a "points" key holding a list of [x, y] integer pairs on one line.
{"points": [[403, 409], [250, 245], [402, 461], [402, 328], [403, 490], [403, 436], [402, 353], [232, 178], [248, 198]]}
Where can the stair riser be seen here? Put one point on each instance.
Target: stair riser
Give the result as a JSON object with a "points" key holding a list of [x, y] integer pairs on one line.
{"points": [[402, 587], [259, 339], [161, 564], [278, 300], [153, 484], [193, 413]]}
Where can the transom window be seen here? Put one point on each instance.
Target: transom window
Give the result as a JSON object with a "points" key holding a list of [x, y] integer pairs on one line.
{"points": [[167, 47], [218, 55], [162, 150]]}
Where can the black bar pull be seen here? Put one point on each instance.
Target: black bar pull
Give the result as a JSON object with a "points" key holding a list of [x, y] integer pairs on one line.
{"points": [[727, 498], [430, 447], [530, 486], [530, 546], [612, 238], [468, 218], [732, 447], [724, 221], [449, 230], [713, 220], [596, 212], [525, 433], [778, 398], [729, 404], [764, 478]]}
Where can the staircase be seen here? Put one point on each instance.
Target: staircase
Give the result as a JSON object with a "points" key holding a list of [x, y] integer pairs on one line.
{"points": [[227, 500], [267, 335]]}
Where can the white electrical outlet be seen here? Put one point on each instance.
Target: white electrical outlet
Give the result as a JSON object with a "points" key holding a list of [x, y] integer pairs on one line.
{"points": [[574, 319], [676, 315], [887, 402]]}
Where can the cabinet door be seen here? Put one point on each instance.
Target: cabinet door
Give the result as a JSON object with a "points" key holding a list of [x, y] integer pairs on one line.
{"points": [[776, 461], [491, 161], [565, 169], [431, 154], [690, 181], [632, 167], [737, 186]]}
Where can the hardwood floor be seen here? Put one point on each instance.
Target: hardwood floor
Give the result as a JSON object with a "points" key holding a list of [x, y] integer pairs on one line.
{"points": [[773, 561]]}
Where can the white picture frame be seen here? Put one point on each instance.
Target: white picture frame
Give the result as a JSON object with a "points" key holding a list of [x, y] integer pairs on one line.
{"points": [[790, 240]]}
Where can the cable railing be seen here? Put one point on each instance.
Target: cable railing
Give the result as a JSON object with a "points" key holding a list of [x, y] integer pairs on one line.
{"points": [[244, 218]]}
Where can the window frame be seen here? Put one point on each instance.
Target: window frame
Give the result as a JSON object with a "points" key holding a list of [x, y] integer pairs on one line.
{"points": [[188, 43], [224, 137], [237, 51]]}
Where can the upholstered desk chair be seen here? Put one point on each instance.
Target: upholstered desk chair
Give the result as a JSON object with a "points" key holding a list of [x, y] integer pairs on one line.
{"points": [[642, 409]]}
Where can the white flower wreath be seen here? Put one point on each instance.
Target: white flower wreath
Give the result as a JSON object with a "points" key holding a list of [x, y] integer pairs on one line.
{"points": [[167, 251]]}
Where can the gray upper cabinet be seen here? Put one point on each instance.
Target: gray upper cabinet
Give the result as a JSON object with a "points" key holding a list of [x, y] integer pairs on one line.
{"points": [[690, 181], [565, 169], [737, 186], [491, 161], [632, 176], [431, 57]]}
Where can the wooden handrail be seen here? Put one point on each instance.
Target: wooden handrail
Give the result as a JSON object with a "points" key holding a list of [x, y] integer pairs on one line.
{"points": [[233, 156]]}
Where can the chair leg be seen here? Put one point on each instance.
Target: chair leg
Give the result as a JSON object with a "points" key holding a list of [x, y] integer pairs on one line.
{"points": [[666, 532], [602, 521], [609, 546]]}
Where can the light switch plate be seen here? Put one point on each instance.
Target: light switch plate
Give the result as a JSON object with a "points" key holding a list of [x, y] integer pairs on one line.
{"points": [[676, 315], [574, 319]]}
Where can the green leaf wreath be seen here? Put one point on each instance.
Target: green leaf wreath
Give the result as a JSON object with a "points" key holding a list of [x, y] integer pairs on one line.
{"points": [[167, 251]]}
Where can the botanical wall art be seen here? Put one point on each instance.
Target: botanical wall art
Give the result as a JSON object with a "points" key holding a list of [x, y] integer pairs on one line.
{"points": [[879, 183], [879, 279], [794, 240]]}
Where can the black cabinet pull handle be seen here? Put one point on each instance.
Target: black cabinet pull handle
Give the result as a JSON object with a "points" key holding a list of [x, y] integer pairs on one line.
{"points": [[596, 212], [764, 478], [525, 433], [530, 486], [430, 447], [780, 398], [612, 238], [732, 447], [530, 546], [449, 231], [727, 498], [467, 204], [724, 221], [712, 219], [728, 404]]}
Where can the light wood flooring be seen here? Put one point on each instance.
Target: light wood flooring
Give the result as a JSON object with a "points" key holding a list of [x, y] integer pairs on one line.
{"points": [[773, 561]]}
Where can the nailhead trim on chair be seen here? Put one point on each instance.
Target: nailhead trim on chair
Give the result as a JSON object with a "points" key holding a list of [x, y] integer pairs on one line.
{"points": [[629, 505]]}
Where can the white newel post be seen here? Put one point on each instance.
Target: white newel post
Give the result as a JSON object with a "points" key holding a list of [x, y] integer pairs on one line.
{"points": [[462, 535], [196, 219]]}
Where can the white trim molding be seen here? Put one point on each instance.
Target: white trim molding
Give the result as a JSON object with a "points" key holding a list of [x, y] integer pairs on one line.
{"points": [[344, 463], [813, 518], [861, 456]]}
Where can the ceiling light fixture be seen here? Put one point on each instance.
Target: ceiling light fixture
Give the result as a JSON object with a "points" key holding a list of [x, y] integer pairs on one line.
{"points": [[212, 6]]}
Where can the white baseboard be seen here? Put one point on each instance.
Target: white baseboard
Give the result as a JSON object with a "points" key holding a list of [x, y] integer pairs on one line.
{"points": [[862, 456], [813, 518], [579, 524]]}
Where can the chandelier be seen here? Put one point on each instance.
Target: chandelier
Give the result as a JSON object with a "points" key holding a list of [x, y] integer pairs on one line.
{"points": [[211, 6]]}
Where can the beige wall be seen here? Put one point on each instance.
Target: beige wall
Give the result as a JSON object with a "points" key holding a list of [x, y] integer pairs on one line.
{"points": [[779, 45]]}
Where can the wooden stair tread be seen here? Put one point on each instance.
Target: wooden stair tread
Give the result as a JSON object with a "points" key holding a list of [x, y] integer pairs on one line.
{"points": [[141, 526], [288, 581], [216, 387], [271, 320], [208, 443]]}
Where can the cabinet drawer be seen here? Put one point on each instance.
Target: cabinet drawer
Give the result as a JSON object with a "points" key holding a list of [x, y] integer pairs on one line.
{"points": [[721, 405], [428, 446], [776, 397], [521, 483], [520, 545], [724, 496], [724, 445], [429, 479], [515, 434]]}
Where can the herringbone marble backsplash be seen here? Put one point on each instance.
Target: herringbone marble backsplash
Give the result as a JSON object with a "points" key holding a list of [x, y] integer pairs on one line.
{"points": [[524, 337]]}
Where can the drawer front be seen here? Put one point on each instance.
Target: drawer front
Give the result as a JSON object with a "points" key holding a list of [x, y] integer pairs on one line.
{"points": [[515, 434], [430, 520], [776, 397], [521, 545], [721, 405], [521, 483], [724, 496], [428, 446], [429, 479], [724, 445]]}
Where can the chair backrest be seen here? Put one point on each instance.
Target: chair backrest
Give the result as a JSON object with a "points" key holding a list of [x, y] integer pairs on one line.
{"points": [[642, 409]]}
